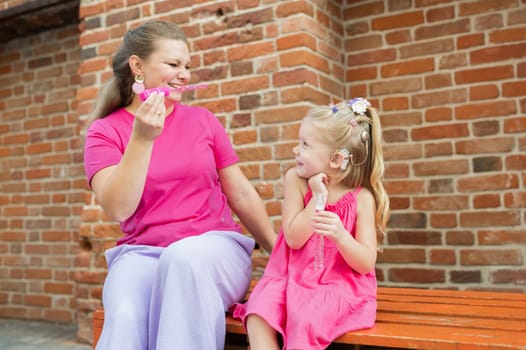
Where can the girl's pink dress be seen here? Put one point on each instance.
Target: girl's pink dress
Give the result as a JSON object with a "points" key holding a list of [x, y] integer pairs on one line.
{"points": [[311, 308]]}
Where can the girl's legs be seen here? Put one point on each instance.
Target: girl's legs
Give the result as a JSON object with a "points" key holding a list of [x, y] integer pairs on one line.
{"points": [[197, 280], [126, 297], [261, 336]]}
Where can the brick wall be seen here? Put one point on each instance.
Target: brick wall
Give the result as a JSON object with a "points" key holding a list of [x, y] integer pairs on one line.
{"points": [[448, 78], [42, 182]]}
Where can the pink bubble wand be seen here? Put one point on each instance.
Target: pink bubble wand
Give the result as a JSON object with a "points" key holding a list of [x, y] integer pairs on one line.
{"points": [[167, 90]]}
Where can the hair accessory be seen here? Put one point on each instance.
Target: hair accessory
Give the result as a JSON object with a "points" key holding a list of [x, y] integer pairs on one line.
{"points": [[138, 85], [359, 105], [333, 107], [353, 122]]}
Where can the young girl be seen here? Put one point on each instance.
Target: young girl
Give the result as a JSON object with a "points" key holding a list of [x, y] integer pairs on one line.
{"points": [[320, 278]]}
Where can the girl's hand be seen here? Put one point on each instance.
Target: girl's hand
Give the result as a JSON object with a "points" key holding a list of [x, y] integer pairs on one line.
{"points": [[149, 117], [329, 224], [318, 184]]}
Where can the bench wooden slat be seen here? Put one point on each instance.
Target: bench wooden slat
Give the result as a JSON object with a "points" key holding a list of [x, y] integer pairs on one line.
{"points": [[451, 293], [462, 322], [503, 313], [454, 301], [520, 305], [433, 337]]}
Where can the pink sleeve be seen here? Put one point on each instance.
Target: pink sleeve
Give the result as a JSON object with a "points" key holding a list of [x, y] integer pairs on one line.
{"points": [[104, 147]]}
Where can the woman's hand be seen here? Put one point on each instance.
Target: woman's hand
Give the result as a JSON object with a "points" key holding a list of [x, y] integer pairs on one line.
{"points": [[149, 117]]}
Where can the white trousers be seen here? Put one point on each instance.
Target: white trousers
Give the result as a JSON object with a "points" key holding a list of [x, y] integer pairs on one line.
{"points": [[175, 297]]}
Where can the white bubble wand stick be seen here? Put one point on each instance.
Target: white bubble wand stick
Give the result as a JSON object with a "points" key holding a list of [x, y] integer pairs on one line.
{"points": [[319, 244]]}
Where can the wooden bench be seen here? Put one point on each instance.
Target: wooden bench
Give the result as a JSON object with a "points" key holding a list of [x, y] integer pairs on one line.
{"points": [[425, 319]]}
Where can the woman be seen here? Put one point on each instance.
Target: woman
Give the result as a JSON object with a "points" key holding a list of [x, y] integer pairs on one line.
{"points": [[168, 173]]}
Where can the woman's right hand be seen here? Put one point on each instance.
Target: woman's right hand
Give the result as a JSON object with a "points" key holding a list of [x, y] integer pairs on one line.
{"points": [[149, 117]]}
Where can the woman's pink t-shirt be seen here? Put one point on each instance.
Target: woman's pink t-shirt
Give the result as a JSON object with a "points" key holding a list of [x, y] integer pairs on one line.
{"points": [[182, 196]]}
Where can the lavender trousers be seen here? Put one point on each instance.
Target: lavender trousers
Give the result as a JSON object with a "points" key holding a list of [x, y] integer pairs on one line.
{"points": [[175, 297]]}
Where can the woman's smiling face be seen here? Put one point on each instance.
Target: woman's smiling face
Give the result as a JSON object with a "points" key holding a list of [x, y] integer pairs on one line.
{"points": [[312, 154], [168, 65]]}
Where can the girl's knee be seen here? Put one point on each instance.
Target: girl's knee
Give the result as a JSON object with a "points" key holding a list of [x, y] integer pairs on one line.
{"points": [[260, 334], [256, 323]]}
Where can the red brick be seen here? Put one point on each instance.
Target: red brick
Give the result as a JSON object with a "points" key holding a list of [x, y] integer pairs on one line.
{"points": [[438, 220], [294, 7], [244, 137], [365, 73], [402, 255], [484, 92], [372, 57], [486, 145], [368, 42], [467, 9], [416, 275], [404, 187], [296, 40], [438, 203], [490, 219], [303, 94], [502, 236], [294, 77], [470, 40], [302, 57], [514, 125], [438, 81], [486, 201], [438, 149], [281, 114], [460, 238], [405, 19], [478, 257], [495, 54], [514, 89], [400, 152], [364, 10], [508, 276], [443, 29], [439, 114], [508, 34], [445, 131], [423, 65], [442, 257], [398, 37], [515, 199]]}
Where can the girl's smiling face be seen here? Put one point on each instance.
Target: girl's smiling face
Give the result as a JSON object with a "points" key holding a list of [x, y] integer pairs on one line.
{"points": [[312, 154], [168, 65]]}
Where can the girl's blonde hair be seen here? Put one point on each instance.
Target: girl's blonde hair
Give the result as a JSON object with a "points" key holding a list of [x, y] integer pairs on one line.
{"points": [[142, 41], [353, 129]]}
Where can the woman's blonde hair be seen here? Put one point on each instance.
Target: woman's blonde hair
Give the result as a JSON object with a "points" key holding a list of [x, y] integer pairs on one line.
{"points": [[353, 129], [117, 91]]}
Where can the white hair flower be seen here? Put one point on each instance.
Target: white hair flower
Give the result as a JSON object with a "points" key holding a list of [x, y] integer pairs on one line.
{"points": [[359, 105]]}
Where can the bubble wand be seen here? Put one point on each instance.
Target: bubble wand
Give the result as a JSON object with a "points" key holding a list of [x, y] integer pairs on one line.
{"points": [[167, 90], [319, 244]]}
